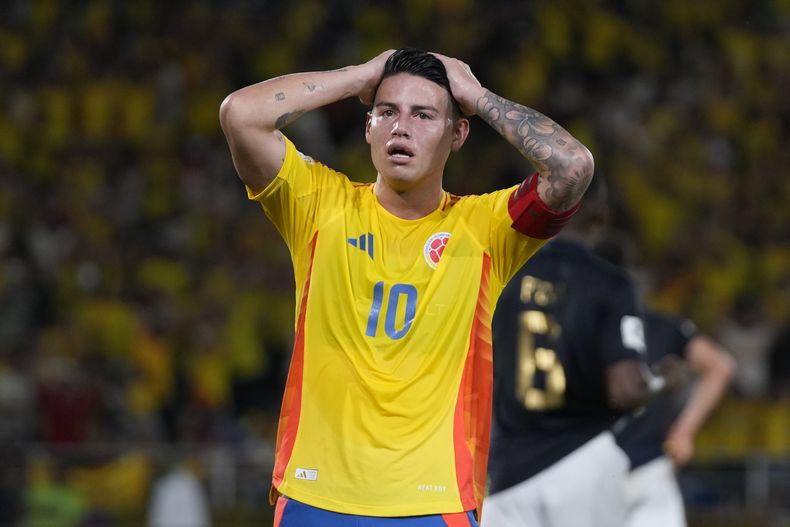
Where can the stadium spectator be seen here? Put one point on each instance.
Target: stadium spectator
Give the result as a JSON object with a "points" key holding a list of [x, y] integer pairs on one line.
{"points": [[17, 429], [52, 500], [745, 332], [395, 282], [779, 364], [178, 498]]}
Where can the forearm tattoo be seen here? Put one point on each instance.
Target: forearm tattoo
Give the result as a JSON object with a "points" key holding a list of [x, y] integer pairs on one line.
{"points": [[310, 88], [557, 155]]}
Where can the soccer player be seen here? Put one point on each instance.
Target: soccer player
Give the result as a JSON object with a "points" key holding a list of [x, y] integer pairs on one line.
{"points": [[569, 360], [386, 414], [660, 441]]}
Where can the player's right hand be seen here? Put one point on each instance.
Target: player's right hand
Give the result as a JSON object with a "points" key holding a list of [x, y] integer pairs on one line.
{"points": [[371, 72]]}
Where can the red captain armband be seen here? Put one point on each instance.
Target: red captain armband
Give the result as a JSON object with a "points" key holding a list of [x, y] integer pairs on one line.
{"points": [[531, 216]]}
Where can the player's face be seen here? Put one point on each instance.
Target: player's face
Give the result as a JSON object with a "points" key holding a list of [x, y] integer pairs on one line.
{"points": [[411, 132]]}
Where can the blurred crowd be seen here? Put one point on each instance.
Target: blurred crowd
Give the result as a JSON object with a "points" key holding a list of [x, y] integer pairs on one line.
{"points": [[144, 300]]}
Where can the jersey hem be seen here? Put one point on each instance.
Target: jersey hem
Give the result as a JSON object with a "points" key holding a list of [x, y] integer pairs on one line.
{"points": [[359, 509]]}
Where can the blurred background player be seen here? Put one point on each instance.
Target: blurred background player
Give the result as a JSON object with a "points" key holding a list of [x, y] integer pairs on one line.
{"points": [[660, 440], [569, 360], [387, 407]]}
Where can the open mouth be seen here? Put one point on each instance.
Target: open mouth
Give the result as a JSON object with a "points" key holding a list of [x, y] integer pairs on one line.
{"points": [[399, 152]]}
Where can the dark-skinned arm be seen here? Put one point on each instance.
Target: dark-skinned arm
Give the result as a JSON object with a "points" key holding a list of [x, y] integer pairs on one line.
{"points": [[627, 384]]}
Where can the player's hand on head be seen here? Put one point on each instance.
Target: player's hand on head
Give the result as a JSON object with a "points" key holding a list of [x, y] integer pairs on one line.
{"points": [[372, 71], [464, 85]]}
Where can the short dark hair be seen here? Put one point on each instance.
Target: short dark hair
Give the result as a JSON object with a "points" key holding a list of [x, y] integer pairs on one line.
{"points": [[422, 64]]}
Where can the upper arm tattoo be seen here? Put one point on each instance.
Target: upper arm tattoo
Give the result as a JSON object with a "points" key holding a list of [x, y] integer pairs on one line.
{"points": [[287, 118], [557, 155]]}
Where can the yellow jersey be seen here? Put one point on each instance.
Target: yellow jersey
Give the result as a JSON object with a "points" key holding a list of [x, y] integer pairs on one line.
{"points": [[387, 405]]}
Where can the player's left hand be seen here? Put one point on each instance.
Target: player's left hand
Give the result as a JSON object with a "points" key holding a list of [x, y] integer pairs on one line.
{"points": [[679, 446], [465, 87]]}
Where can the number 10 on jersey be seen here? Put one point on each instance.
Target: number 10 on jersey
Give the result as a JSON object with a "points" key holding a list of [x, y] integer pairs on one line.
{"points": [[397, 294]]}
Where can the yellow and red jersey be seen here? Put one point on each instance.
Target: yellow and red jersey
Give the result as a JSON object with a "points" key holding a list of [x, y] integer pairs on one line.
{"points": [[387, 407]]}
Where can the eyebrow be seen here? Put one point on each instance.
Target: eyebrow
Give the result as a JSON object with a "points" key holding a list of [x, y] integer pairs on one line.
{"points": [[414, 108]]}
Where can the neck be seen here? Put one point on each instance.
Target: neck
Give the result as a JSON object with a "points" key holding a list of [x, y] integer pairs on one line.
{"points": [[411, 204]]}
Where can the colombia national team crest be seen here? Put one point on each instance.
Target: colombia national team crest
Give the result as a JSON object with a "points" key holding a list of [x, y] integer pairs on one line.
{"points": [[434, 248]]}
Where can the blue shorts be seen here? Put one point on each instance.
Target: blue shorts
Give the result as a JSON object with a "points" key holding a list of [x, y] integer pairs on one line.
{"points": [[291, 513]]}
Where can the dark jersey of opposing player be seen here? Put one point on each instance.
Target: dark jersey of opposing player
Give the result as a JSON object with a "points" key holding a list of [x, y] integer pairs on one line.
{"points": [[644, 435], [559, 323]]}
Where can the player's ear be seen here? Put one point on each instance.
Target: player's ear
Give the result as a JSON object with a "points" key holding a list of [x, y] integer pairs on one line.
{"points": [[460, 133]]}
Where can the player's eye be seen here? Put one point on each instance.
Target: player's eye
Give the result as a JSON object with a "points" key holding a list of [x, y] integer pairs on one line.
{"points": [[423, 115], [387, 113]]}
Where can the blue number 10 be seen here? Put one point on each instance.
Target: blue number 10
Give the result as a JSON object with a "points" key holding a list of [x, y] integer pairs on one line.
{"points": [[395, 294]]}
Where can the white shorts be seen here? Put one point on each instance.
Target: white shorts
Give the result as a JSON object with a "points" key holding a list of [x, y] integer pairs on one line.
{"points": [[653, 498], [583, 489]]}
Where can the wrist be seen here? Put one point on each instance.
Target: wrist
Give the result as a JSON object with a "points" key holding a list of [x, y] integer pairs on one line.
{"points": [[474, 101], [364, 81], [679, 432]]}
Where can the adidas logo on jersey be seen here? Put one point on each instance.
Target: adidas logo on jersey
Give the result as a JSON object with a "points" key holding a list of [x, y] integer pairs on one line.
{"points": [[306, 474], [363, 243]]}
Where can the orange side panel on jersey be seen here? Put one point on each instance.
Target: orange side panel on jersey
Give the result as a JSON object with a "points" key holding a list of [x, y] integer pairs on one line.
{"points": [[456, 520], [473, 409], [292, 398]]}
